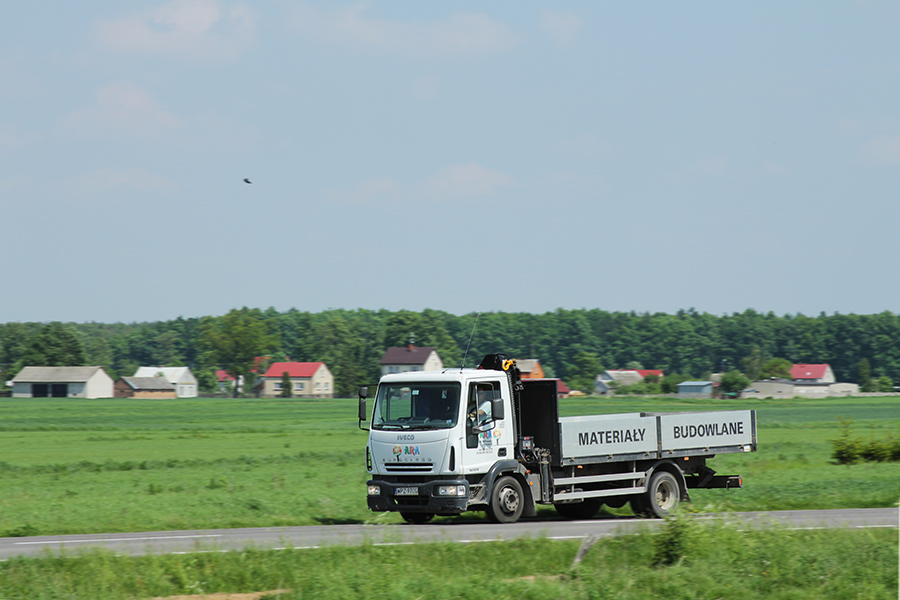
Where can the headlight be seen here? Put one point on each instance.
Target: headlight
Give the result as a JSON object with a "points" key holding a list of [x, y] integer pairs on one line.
{"points": [[451, 490], [374, 490]]}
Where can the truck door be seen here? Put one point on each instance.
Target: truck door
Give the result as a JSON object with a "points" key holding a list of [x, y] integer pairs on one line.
{"points": [[484, 448]]}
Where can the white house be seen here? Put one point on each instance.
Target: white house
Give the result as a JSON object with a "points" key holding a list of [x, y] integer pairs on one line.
{"points": [[62, 382], [410, 358], [603, 384], [181, 377]]}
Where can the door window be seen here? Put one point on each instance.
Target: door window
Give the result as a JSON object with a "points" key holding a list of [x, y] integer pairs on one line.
{"points": [[478, 409]]}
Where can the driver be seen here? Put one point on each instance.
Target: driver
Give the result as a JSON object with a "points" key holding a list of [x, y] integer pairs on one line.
{"points": [[480, 409]]}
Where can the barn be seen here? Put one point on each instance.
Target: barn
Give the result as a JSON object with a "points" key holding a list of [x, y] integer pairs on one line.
{"points": [[62, 382], [181, 377], [144, 387], [696, 389]]}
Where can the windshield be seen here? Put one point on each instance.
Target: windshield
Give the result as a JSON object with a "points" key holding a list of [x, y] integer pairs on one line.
{"points": [[424, 405]]}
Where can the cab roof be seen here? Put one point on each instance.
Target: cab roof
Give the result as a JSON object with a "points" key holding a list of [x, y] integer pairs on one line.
{"points": [[454, 374]]}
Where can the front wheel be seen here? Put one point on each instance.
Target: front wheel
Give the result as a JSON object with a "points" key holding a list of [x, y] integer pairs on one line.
{"points": [[417, 518], [507, 501]]}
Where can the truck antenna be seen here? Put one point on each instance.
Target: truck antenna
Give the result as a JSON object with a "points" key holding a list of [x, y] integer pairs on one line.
{"points": [[469, 343]]}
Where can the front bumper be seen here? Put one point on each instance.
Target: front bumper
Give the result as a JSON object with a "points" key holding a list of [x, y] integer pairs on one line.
{"points": [[426, 500]]}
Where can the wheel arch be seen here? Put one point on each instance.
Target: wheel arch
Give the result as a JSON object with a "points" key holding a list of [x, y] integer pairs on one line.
{"points": [[513, 468]]}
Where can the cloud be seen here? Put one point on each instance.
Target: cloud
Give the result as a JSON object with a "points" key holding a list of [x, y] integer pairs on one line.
{"points": [[882, 150], [117, 182], [462, 34], [563, 27], [10, 187], [122, 106], [461, 182], [12, 138], [198, 29], [456, 183]]}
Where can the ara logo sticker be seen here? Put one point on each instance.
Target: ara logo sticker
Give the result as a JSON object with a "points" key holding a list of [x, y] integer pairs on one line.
{"points": [[408, 450], [487, 439]]}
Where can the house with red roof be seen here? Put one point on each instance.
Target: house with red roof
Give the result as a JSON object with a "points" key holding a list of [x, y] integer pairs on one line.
{"points": [[530, 368], [227, 382], [307, 380], [410, 358], [812, 373], [807, 381]]}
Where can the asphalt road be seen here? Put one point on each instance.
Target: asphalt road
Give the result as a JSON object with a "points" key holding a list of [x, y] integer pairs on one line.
{"points": [[220, 540]]}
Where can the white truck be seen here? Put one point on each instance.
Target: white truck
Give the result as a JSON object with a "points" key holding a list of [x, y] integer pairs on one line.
{"points": [[456, 440]]}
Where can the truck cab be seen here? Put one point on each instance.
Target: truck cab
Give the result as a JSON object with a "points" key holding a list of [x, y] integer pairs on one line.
{"points": [[434, 436]]}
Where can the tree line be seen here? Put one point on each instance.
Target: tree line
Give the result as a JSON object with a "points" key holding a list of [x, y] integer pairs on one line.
{"points": [[570, 344]]}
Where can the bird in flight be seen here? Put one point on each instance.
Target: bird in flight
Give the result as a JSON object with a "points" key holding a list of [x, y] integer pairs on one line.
{"points": [[247, 180]]}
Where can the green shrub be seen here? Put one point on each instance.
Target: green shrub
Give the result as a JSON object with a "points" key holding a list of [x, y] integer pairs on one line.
{"points": [[846, 449], [27, 530], [670, 544], [876, 450], [895, 449]]}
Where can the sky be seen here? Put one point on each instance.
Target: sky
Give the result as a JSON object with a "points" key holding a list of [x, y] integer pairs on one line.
{"points": [[462, 156]]}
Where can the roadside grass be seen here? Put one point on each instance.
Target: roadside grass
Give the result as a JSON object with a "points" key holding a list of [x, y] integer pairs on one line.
{"points": [[117, 465], [702, 560]]}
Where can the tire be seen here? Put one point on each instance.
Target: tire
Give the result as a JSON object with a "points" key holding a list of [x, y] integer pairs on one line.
{"points": [[580, 510], [639, 506], [615, 501], [507, 500], [417, 518], [663, 495]]}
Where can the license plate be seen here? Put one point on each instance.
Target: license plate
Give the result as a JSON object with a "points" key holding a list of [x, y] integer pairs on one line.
{"points": [[406, 491]]}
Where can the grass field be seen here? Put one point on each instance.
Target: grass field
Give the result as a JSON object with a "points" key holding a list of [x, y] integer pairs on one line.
{"points": [[114, 465], [690, 560]]}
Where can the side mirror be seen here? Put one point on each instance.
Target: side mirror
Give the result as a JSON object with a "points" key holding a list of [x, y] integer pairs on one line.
{"points": [[486, 426], [497, 409], [363, 392]]}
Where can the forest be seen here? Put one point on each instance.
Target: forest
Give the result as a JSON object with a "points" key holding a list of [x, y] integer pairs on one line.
{"points": [[351, 342]]}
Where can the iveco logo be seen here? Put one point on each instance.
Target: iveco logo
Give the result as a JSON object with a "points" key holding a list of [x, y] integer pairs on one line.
{"points": [[406, 436]]}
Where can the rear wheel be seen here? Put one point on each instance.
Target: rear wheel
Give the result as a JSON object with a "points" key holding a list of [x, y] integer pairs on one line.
{"points": [[638, 505], [417, 518], [507, 501], [579, 510], [663, 496]]}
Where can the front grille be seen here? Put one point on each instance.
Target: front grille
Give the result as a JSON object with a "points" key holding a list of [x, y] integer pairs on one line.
{"points": [[405, 479], [410, 468]]}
